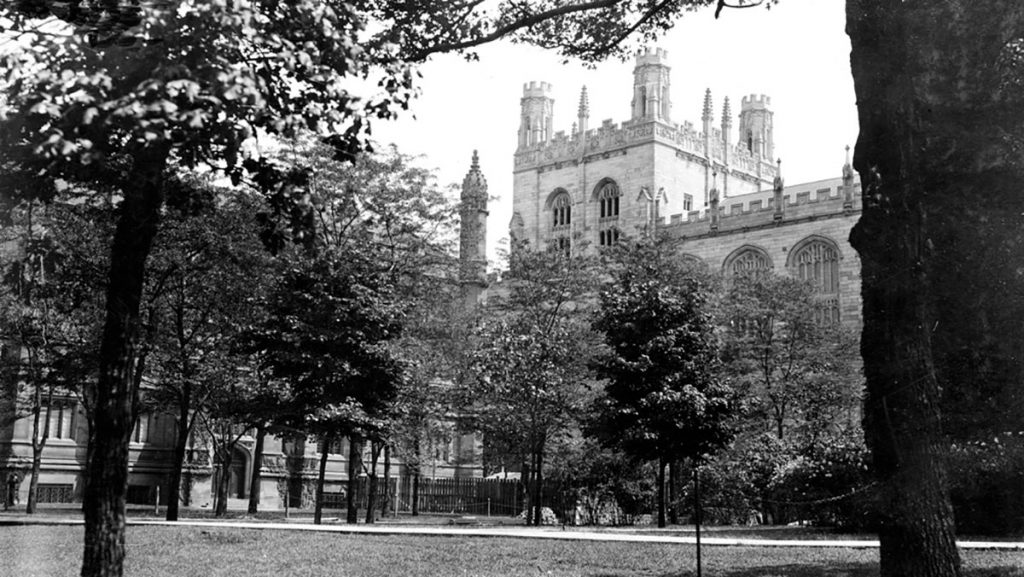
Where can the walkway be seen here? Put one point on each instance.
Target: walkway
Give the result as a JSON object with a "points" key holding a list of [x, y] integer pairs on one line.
{"points": [[569, 533]]}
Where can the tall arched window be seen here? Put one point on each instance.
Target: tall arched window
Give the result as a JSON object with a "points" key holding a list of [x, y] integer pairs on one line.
{"points": [[608, 196], [561, 223], [817, 261], [561, 210]]}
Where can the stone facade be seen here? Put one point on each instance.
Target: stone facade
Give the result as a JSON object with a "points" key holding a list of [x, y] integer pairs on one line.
{"points": [[724, 199]]}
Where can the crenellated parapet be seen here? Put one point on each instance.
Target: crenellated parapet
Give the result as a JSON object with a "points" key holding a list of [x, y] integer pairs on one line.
{"points": [[807, 201], [611, 137]]}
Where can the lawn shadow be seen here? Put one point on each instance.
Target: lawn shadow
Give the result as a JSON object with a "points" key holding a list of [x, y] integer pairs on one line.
{"points": [[792, 570]]}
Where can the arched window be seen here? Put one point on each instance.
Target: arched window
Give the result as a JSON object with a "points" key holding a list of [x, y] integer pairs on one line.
{"points": [[816, 260], [608, 196], [747, 260], [561, 223]]}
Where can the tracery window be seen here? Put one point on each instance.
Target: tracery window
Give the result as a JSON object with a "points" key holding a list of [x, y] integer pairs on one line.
{"points": [[561, 224], [608, 197], [561, 211], [818, 263], [749, 261]]}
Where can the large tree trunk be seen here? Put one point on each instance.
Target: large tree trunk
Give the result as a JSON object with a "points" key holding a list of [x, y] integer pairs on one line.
{"points": [[180, 447], [114, 396], [257, 466], [939, 97]]}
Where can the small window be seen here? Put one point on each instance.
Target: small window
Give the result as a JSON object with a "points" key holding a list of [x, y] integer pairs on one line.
{"points": [[687, 202], [141, 432], [62, 420]]}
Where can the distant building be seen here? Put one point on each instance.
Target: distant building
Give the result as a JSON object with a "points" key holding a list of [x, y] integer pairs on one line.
{"points": [[289, 464], [718, 191]]}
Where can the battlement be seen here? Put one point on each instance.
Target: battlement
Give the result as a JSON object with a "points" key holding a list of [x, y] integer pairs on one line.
{"points": [[807, 200], [648, 57], [756, 102], [534, 89]]}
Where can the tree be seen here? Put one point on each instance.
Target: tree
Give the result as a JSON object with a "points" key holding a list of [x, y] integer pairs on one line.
{"points": [[797, 374], [938, 89], [210, 270], [665, 397], [531, 359]]}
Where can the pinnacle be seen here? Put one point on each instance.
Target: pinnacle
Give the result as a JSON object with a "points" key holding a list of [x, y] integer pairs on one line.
{"points": [[476, 161], [584, 110], [726, 112], [707, 105]]}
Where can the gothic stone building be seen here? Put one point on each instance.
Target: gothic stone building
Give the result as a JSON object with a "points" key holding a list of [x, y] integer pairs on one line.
{"points": [[719, 193]]}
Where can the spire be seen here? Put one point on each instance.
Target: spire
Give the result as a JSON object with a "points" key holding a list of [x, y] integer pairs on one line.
{"points": [[584, 111], [726, 113], [707, 106], [847, 168], [474, 185]]}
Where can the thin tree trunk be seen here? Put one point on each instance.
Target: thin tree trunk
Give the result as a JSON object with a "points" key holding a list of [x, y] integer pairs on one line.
{"points": [[697, 512], [661, 492], [355, 463], [180, 448], [257, 466], [416, 490], [385, 501], [114, 397], [527, 478], [318, 508], [416, 478], [538, 498], [673, 482], [227, 457], [371, 491], [38, 442]]}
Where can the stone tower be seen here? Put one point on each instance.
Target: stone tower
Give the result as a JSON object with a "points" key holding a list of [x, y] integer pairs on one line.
{"points": [[652, 98], [756, 126], [473, 235], [536, 114]]}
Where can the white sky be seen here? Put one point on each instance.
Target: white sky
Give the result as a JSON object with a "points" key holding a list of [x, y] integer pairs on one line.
{"points": [[797, 53]]}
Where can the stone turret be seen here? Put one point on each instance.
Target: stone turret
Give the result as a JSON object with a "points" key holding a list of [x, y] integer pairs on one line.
{"points": [[652, 98], [473, 235], [536, 117], [756, 126]]}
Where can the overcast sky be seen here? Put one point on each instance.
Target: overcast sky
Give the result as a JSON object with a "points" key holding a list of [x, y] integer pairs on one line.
{"points": [[797, 53]]}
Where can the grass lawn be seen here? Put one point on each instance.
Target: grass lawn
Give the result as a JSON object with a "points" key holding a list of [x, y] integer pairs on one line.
{"points": [[190, 551]]}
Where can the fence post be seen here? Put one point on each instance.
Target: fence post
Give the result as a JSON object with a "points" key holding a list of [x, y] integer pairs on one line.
{"points": [[287, 494], [488, 506], [156, 506]]}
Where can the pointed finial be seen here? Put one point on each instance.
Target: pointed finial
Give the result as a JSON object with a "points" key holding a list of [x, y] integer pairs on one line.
{"points": [[476, 161], [707, 105], [847, 154], [726, 112], [848, 168], [584, 110]]}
